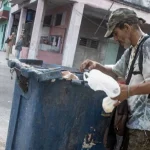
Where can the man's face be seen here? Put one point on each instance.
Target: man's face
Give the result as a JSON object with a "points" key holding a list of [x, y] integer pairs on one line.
{"points": [[122, 36]]}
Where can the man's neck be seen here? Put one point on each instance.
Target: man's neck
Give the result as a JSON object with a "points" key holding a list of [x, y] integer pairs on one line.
{"points": [[136, 36]]}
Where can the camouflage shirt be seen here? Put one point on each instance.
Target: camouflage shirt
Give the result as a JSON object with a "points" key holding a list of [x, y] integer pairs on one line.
{"points": [[139, 105]]}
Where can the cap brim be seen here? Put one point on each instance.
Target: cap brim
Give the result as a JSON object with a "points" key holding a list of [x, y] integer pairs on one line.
{"points": [[142, 20], [108, 34]]}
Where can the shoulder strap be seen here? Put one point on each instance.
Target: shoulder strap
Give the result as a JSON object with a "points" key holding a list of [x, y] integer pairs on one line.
{"points": [[140, 63], [133, 62]]}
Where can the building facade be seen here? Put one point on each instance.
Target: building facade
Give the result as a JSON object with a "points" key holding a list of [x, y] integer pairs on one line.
{"points": [[4, 16], [67, 32]]}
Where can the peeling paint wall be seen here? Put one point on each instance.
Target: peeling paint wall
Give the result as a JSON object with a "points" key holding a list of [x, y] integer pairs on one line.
{"points": [[104, 48], [105, 4]]}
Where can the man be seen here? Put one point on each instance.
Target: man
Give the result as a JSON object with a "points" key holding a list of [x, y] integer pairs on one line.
{"points": [[9, 44], [19, 46], [123, 26]]}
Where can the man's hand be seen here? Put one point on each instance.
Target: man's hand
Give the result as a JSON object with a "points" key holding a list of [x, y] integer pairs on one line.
{"points": [[88, 64], [123, 94]]}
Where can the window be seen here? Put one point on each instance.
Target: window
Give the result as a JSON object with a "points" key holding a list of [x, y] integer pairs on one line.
{"points": [[55, 41], [30, 15], [89, 43], [51, 44], [83, 41], [58, 19], [47, 20], [94, 44]]}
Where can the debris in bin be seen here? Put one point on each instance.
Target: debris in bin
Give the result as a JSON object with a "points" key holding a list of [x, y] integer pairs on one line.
{"points": [[89, 140], [69, 76], [53, 80]]}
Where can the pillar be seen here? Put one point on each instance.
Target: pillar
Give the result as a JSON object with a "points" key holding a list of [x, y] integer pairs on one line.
{"points": [[38, 22], [72, 34], [22, 21], [9, 26]]}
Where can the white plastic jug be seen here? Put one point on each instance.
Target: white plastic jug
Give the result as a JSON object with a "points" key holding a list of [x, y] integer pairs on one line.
{"points": [[108, 104], [100, 81]]}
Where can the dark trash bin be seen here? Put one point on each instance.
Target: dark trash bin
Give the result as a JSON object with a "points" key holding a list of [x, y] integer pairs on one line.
{"points": [[54, 115]]}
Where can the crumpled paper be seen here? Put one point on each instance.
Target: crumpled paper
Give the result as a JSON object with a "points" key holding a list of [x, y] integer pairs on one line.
{"points": [[69, 76]]}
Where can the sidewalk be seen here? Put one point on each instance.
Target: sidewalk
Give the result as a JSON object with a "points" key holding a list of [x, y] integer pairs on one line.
{"points": [[6, 94], [3, 61]]}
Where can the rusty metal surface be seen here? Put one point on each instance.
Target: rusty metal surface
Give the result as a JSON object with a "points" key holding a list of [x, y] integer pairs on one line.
{"points": [[60, 115], [56, 115]]}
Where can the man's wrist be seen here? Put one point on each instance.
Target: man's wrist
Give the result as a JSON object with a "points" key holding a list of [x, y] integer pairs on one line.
{"points": [[133, 90]]}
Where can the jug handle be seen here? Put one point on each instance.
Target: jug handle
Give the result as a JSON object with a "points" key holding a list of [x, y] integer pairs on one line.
{"points": [[85, 76]]}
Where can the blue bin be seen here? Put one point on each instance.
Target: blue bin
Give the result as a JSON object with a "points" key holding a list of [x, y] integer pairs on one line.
{"points": [[48, 115]]}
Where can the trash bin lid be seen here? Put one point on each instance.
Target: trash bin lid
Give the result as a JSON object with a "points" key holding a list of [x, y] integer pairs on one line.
{"points": [[39, 72]]}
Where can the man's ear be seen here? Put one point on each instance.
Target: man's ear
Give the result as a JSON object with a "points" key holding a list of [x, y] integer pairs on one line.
{"points": [[127, 27]]}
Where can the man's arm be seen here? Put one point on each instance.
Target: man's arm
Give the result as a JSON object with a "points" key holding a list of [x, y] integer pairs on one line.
{"points": [[127, 90], [143, 88], [107, 70], [89, 64]]}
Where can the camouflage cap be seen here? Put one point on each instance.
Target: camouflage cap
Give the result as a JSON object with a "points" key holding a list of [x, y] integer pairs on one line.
{"points": [[118, 16]]}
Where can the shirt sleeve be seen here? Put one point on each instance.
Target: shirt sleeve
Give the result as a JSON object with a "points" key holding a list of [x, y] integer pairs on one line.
{"points": [[146, 60], [120, 68]]}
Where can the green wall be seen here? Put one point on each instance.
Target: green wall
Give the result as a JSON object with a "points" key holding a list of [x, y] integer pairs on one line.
{"points": [[3, 25], [111, 53]]}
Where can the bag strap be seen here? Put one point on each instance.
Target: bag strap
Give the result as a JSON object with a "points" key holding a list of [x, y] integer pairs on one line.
{"points": [[141, 61], [133, 62]]}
